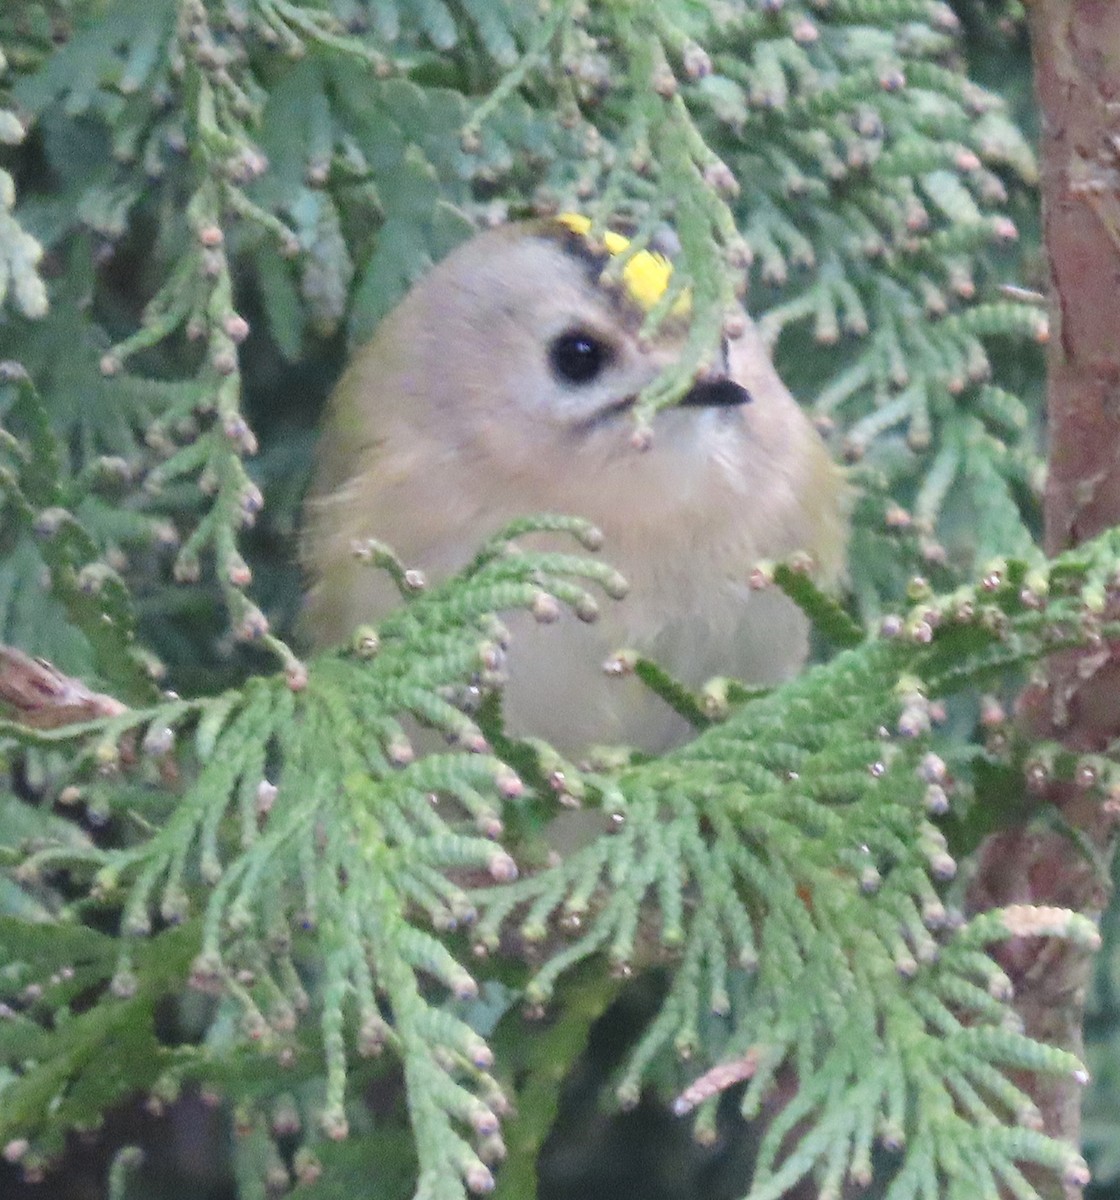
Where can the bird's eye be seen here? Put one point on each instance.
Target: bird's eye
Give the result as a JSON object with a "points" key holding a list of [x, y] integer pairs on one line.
{"points": [[578, 356]]}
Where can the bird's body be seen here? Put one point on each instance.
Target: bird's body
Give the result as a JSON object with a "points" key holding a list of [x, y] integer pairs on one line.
{"points": [[475, 403]]}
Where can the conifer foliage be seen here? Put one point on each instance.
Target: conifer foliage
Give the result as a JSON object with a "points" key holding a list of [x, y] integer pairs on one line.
{"points": [[203, 201]]}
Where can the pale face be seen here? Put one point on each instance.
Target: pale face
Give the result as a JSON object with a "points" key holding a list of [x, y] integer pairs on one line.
{"points": [[567, 355], [542, 343]]}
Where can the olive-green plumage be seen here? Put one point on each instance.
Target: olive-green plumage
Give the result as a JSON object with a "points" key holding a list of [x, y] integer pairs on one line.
{"points": [[500, 386]]}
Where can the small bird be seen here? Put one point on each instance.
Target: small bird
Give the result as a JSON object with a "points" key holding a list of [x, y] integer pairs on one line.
{"points": [[503, 385]]}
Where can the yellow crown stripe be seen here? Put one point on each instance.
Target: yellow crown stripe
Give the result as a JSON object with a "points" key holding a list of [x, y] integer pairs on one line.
{"points": [[646, 275]]}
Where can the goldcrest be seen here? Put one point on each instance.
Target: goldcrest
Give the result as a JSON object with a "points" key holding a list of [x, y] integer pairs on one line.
{"points": [[503, 385]]}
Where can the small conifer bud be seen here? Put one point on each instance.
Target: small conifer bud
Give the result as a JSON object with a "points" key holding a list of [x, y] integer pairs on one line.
{"points": [[906, 965], [492, 1150], [489, 824], [734, 325], [174, 908], [934, 915], [720, 178], [967, 160], [936, 800], [1076, 1172], [696, 61], [628, 1096], [615, 585], [158, 741], [236, 327], [739, 253], [236, 428], [250, 164], [470, 739], [586, 609], [252, 626], [371, 1037], [932, 769], [306, 1167], [237, 572], [501, 867], [107, 756], [124, 984], [508, 783], [914, 720], [266, 797], [918, 439], [212, 264], [664, 82], [545, 608], [252, 500], [276, 1179], [16, 1150], [399, 751], [479, 1179], [774, 270], [463, 987], [942, 865], [483, 1121], [187, 568], [590, 537], [334, 1124], [620, 664], [366, 642], [921, 633], [1086, 775]]}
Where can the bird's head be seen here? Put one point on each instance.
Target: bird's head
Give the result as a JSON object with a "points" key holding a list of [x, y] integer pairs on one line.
{"points": [[528, 329]]}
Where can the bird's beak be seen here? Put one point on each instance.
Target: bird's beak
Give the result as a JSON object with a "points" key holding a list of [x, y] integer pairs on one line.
{"points": [[719, 392], [716, 389]]}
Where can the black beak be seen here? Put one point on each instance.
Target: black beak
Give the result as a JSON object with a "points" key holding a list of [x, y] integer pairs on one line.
{"points": [[715, 393]]}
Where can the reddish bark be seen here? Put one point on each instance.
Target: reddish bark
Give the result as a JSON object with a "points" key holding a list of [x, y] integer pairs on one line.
{"points": [[39, 695], [1076, 48]]}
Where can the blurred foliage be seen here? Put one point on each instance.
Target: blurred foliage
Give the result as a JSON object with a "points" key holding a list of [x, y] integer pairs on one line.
{"points": [[218, 197]]}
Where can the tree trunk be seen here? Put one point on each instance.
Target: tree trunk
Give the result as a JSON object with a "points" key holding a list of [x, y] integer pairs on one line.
{"points": [[1076, 49]]}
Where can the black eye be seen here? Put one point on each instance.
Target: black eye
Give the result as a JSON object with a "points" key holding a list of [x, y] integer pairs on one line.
{"points": [[578, 356]]}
